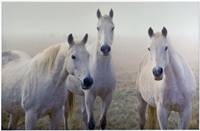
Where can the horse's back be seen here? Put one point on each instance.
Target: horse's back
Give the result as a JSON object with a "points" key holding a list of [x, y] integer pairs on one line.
{"points": [[13, 55]]}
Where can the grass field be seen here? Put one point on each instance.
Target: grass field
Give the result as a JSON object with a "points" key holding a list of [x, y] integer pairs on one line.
{"points": [[122, 113]]}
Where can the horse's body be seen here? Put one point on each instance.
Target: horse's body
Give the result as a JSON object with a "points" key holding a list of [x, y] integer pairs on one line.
{"points": [[101, 68], [36, 86], [13, 61], [27, 87], [171, 90], [102, 71], [10, 56]]}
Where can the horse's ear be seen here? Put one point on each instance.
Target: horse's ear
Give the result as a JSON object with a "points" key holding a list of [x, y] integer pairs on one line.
{"points": [[98, 14], [164, 32], [150, 32], [85, 38], [111, 13], [70, 39]]}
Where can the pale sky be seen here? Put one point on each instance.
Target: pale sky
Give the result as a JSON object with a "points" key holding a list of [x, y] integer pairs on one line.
{"points": [[131, 19]]}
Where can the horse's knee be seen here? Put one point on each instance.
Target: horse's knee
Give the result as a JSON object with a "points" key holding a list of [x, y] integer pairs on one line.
{"points": [[91, 124], [141, 111], [162, 114], [84, 113], [66, 118], [66, 121], [30, 120], [185, 116], [103, 122]]}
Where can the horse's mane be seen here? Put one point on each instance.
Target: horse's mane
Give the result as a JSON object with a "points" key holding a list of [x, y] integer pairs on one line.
{"points": [[46, 59]]}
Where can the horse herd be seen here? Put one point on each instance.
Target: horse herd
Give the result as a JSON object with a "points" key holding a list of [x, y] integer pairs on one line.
{"points": [[46, 83]]}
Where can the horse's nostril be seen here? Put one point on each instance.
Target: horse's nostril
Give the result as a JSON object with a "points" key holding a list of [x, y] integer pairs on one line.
{"points": [[108, 48], [157, 71], [88, 81], [105, 48], [160, 71], [102, 48]]}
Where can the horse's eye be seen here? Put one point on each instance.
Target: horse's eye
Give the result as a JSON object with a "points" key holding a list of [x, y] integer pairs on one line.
{"points": [[149, 49], [98, 28], [166, 48], [113, 28], [73, 57]]}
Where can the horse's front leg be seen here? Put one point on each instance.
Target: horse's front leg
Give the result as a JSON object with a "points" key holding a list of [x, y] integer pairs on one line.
{"points": [[162, 114], [30, 119], [84, 113], [142, 110], [67, 109], [185, 116], [89, 103], [106, 100], [57, 119]]}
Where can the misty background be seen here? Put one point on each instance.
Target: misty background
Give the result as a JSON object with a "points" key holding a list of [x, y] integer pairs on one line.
{"points": [[34, 26]]}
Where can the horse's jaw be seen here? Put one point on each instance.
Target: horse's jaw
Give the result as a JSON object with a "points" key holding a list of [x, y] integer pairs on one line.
{"points": [[158, 78]]}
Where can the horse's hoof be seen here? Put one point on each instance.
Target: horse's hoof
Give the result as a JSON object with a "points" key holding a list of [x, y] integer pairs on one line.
{"points": [[103, 124], [91, 125]]}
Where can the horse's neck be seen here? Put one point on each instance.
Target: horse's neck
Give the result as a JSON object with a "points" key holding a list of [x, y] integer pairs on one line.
{"points": [[102, 63], [174, 68], [57, 73], [60, 73], [59, 70]]}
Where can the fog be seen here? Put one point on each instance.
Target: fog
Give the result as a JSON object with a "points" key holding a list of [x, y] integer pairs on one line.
{"points": [[31, 27]]}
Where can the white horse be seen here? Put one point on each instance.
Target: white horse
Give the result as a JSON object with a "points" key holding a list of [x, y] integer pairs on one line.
{"points": [[35, 86], [102, 71], [165, 82]]}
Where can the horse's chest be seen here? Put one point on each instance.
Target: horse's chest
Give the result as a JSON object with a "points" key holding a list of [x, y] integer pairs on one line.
{"points": [[104, 79], [173, 99]]}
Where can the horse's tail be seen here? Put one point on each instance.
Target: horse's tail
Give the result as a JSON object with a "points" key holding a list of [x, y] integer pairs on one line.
{"points": [[71, 104], [152, 117]]}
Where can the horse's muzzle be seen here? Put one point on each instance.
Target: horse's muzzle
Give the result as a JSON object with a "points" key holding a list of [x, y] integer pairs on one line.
{"points": [[158, 78], [87, 83], [158, 73], [105, 49]]}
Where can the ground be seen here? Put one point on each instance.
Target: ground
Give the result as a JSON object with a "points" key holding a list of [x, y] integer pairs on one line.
{"points": [[122, 113]]}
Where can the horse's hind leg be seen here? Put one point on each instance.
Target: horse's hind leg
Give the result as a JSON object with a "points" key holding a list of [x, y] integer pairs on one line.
{"points": [[13, 120], [185, 116], [89, 103], [142, 110], [106, 100]]}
